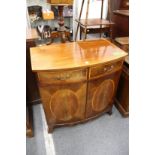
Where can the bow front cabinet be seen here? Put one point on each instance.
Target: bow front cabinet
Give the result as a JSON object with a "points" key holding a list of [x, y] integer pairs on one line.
{"points": [[77, 81]]}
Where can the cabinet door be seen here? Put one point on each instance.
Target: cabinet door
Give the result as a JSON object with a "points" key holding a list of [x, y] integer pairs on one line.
{"points": [[63, 100], [101, 91]]}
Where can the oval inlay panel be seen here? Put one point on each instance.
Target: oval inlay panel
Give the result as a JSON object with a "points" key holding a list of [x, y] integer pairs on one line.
{"points": [[103, 95], [64, 104]]}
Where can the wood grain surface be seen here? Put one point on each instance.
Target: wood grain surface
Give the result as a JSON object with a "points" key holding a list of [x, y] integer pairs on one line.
{"points": [[74, 55], [70, 95]]}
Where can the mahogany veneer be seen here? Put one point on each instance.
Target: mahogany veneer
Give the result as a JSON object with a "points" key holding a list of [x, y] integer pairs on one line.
{"points": [[121, 19], [78, 80]]}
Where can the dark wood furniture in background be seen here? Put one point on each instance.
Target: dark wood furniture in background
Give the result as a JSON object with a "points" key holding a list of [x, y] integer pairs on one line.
{"points": [[94, 25], [123, 43], [121, 34], [78, 80], [122, 95], [33, 96], [124, 4], [62, 32], [121, 20], [32, 93], [64, 36]]}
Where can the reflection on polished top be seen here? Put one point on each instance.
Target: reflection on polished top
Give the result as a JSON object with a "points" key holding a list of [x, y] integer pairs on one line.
{"points": [[74, 55]]}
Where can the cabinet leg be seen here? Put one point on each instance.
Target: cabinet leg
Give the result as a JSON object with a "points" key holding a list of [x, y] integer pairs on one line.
{"points": [[110, 112], [50, 129]]}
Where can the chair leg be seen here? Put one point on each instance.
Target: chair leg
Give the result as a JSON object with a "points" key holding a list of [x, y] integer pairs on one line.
{"points": [[101, 18], [100, 31], [85, 33], [111, 33], [79, 19], [87, 12], [76, 31], [80, 33]]}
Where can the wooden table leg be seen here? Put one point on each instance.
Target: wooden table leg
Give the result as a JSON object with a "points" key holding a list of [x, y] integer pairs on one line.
{"points": [[101, 18], [29, 122], [80, 33], [111, 33], [79, 20]]}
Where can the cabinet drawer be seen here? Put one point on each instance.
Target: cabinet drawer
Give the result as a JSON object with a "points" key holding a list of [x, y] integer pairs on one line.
{"points": [[62, 76], [105, 69]]}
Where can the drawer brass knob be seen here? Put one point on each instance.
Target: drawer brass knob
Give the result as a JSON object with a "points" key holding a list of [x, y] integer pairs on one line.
{"points": [[63, 77]]}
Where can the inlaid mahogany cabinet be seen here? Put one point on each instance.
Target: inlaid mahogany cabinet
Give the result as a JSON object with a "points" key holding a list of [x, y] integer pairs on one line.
{"points": [[77, 81]]}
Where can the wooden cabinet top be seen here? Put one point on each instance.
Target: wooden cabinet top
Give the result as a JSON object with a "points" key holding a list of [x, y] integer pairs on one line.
{"points": [[74, 55]]}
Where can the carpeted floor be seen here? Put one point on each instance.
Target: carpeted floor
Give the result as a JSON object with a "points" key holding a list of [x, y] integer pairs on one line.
{"points": [[106, 135]]}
